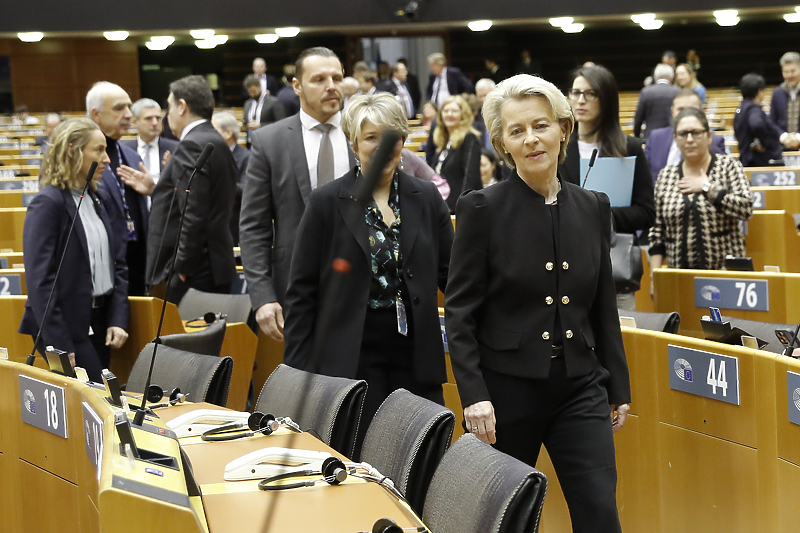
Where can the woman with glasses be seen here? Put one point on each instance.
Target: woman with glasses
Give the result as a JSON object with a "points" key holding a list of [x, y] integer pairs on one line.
{"points": [[594, 98], [458, 157], [699, 202]]}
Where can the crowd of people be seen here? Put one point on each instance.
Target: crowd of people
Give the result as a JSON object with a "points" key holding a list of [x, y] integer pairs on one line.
{"points": [[530, 297]]}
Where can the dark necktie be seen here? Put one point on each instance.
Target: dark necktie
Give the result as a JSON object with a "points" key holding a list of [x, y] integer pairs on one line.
{"points": [[325, 170]]}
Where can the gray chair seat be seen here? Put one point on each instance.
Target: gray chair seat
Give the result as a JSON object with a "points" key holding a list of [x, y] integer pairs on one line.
{"points": [[206, 341], [330, 406], [477, 489], [206, 378], [666, 322], [406, 440]]}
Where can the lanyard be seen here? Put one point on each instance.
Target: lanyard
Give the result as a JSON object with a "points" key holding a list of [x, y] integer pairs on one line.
{"points": [[128, 220]]}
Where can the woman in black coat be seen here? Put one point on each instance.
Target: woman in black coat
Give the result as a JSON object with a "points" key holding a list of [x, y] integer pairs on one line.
{"points": [[530, 307], [89, 310], [390, 258], [458, 156], [595, 103]]}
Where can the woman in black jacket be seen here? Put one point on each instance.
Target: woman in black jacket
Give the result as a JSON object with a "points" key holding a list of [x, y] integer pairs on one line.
{"points": [[530, 308], [595, 104], [458, 157], [389, 259]]}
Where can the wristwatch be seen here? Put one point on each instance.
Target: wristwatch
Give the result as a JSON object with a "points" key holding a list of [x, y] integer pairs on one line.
{"points": [[706, 187]]}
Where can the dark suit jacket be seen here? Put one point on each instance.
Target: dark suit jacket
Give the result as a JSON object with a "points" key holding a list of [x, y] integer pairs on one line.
{"points": [[164, 145], [205, 241], [653, 109], [271, 111], [289, 99], [412, 82], [457, 83], [751, 123], [333, 226], [110, 186], [276, 189], [778, 108], [641, 214], [501, 273], [47, 223], [242, 156], [390, 87], [462, 169], [659, 143]]}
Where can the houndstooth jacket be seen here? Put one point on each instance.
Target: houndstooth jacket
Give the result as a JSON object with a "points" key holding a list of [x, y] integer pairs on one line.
{"points": [[697, 230]]}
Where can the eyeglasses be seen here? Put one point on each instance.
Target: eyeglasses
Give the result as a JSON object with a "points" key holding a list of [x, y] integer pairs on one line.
{"points": [[683, 135], [589, 96]]}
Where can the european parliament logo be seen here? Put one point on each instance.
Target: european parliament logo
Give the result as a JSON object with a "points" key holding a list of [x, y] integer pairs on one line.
{"points": [[683, 369], [796, 398], [710, 293], [30, 401]]}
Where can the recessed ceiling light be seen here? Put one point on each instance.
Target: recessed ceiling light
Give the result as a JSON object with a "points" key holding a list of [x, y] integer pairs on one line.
{"points": [[560, 22], [651, 24], [733, 21], [638, 19], [202, 34], [480, 25], [220, 39], [205, 44], [575, 27], [116, 35], [159, 42], [267, 38], [30, 36], [290, 31], [792, 17]]}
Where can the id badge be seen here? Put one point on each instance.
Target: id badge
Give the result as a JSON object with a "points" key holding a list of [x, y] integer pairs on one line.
{"points": [[131, 230], [402, 322]]}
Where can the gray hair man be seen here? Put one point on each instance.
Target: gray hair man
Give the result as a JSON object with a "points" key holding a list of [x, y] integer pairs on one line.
{"points": [[655, 101], [154, 150], [784, 109]]}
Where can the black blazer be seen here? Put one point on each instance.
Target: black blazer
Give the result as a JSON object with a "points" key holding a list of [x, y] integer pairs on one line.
{"points": [[271, 111], [653, 109], [503, 268], [164, 145], [462, 169], [641, 214], [751, 123], [47, 223], [110, 187], [206, 236], [242, 156], [333, 226], [457, 83]]}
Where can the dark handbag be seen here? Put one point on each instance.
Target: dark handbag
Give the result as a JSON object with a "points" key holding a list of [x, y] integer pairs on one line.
{"points": [[626, 262]]}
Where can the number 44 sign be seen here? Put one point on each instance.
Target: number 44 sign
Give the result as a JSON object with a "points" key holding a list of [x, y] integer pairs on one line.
{"points": [[705, 374]]}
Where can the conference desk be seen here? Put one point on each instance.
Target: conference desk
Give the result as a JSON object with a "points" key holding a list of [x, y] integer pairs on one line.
{"points": [[83, 481]]}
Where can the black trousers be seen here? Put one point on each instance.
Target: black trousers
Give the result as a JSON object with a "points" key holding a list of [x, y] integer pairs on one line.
{"points": [[386, 364], [571, 417]]}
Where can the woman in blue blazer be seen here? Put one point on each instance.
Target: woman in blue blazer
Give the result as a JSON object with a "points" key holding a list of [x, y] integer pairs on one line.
{"points": [[387, 269], [89, 310]]}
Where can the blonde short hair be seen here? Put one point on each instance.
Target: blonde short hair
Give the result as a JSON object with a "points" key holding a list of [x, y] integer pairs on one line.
{"points": [[64, 157], [381, 109], [521, 87]]}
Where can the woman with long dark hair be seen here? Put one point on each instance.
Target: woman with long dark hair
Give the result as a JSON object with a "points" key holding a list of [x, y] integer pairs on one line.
{"points": [[594, 98]]}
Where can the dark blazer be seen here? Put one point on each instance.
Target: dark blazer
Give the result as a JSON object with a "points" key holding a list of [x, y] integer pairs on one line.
{"points": [[271, 111], [164, 145], [110, 186], [412, 82], [206, 238], [289, 99], [779, 108], [334, 226], [641, 214], [47, 223], [462, 169], [658, 144], [457, 83], [242, 156], [653, 109], [751, 123], [501, 273], [276, 189]]}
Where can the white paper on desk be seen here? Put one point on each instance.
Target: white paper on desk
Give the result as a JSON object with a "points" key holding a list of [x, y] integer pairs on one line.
{"points": [[613, 176]]}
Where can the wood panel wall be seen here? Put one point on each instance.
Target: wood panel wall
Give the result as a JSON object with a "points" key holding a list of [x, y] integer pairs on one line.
{"points": [[55, 74]]}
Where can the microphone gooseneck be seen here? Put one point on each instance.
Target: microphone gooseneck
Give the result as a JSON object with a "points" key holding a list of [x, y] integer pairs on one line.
{"points": [[790, 348], [591, 164], [32, 356], [365, 186], [139, 417]]}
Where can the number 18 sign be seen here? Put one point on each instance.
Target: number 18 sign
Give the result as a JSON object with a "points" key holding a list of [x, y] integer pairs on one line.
{"points": [[705, 374]]}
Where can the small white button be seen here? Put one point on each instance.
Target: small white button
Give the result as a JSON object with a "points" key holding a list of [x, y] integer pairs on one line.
{"points": [[569, 333]]}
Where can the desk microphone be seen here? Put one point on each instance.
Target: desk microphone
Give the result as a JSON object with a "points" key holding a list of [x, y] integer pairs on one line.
{"points": [[591, 164], [790, 347], [138, 419], [32, 356]]}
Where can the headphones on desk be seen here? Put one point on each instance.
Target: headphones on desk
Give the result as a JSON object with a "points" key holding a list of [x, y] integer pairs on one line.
{"points": [[203, 321], [333, 472], [256, 423], [156, 393]]}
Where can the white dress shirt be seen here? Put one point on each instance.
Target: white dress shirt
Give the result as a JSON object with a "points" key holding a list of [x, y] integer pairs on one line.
{"points": [[152, 148], [443, 91], [311, 142], [190, 127]]}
